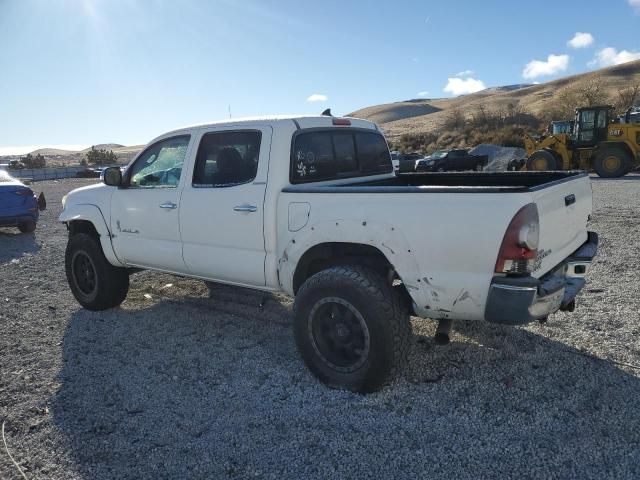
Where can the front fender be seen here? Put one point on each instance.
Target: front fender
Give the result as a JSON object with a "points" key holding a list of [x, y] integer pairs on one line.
{"points": [[93, 214]]}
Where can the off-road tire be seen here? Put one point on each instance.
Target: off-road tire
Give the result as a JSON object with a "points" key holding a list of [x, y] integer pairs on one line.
{"points": [[111, 283], [384, 312], [602, 158], [542, 157], [27, 227]]}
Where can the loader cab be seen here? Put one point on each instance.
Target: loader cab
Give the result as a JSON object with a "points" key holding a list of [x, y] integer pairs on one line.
{"points": [[590, 127]]}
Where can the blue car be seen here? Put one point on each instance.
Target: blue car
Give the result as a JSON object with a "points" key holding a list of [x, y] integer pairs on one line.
{"points": [[19, 206]]}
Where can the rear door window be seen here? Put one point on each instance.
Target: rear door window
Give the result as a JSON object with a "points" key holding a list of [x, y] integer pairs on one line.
{"points": [[227, 159], [332, 154]]}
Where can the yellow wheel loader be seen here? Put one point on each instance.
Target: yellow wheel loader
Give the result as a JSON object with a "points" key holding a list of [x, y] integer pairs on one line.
{"points": [[609, 146]]}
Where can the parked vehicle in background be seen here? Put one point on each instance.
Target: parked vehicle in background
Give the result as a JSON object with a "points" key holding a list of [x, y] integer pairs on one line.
{"points": [[598, 141], [395, 161], [89, 173], [451, 160], [16, 165], [310, 206], [19, 206], [407, 162]]}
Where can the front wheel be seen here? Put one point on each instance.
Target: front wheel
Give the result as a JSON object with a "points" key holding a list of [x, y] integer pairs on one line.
{"points": [[542, 160], [27, 227], [351, 328], [96, 284], [612, 163]]}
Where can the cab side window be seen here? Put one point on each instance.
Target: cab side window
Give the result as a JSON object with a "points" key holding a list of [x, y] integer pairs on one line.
{"points": [[226, 159], [160, 166]]}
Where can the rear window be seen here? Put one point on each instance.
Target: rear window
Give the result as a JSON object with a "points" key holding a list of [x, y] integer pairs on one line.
{"points": [[332, 154]]}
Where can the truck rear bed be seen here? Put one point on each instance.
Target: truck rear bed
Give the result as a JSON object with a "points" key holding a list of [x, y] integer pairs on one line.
{"points": [[461, 182], [563, 200]]}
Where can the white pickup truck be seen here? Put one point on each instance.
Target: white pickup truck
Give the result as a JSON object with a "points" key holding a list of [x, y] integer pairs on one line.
{"points": [[310, 206]]}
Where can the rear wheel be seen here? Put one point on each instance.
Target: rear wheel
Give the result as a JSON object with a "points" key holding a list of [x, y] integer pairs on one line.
{"points": [[612, 162], [351, 328], [96, 284], [27, 227], [542, 160]]}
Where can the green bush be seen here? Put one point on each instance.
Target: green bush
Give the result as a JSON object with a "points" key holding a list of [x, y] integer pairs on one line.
{"points": [[30, 161], [100, 156]]}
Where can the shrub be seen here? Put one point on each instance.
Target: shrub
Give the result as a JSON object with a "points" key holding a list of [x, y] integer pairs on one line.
{"points": [[37, 161], [100, 156]]}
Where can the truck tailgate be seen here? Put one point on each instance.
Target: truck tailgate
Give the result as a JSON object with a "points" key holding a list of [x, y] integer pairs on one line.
{"points": [[564, 208]]}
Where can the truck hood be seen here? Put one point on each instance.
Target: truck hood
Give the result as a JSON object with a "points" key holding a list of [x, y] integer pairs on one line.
{"points": [[98, 195]]}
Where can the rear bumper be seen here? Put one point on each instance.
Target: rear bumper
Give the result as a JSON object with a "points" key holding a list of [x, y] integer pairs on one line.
{"points": [[15, 220], [519, 300]]}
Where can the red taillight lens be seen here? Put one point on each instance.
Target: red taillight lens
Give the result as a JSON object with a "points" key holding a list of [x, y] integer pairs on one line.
{"points": [[520, 243], [24, 192], [341, 121]]}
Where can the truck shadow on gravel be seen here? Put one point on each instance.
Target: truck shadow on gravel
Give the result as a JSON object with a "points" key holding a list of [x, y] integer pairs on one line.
{"points": [[202, 388], [14, 244]]}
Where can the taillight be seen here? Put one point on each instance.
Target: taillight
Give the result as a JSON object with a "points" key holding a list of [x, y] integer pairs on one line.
{"points": [[24, 192], [520, 243], [341, 121]]}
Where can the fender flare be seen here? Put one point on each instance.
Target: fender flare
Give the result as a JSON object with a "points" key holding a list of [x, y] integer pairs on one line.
{"points": [[387, 238], [93, 214]]}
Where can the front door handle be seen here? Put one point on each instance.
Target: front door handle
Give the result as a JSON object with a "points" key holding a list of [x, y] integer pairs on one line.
{"points": [[168, 205], [245, 208]]}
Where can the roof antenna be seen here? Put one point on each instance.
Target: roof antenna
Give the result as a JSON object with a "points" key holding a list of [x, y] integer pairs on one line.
{"points": [[229, 110], [327, 113]]}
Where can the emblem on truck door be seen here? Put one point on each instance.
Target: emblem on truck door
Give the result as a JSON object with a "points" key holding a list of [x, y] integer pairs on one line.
{"points": [[125, 230]]}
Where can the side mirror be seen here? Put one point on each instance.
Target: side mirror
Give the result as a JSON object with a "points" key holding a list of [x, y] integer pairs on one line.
{"points": [[112, 176]]}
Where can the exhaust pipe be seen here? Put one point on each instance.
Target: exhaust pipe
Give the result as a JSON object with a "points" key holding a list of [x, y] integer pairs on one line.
{"points": [[442, 332]]}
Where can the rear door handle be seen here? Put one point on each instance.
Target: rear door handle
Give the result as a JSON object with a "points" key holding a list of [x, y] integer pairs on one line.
{"points": [[569, 199], [168, 205], [245, 208]]}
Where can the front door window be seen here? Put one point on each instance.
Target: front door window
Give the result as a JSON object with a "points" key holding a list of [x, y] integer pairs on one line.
{"points": [[160, 165]]}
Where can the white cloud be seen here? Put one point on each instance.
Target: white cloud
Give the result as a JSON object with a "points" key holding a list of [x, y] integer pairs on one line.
{"points": [[464, 73], [424, 93], [462, 86], [581, 40], [635, 4], [539, 68], [317, 97], [610, 56]]}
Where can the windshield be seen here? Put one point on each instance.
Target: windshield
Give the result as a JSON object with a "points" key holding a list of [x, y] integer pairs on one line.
{"points": [[439, 154]]}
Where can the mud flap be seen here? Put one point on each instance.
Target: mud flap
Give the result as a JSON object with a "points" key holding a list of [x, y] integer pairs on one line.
{"points": [[42, 202]]}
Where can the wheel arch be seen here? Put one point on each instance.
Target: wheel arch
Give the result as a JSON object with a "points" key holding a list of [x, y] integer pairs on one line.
{"points": [[328, 254], [89, 219], [377, 246]]}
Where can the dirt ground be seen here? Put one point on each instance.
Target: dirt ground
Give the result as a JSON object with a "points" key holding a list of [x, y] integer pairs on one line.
{"points": [[175, 384]]}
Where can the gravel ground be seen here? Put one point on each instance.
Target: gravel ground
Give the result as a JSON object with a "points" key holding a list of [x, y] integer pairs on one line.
{"points": [[177, 385]]}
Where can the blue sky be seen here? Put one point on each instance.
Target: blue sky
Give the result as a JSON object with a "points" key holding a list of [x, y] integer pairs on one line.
{"points": [[77, 72]]}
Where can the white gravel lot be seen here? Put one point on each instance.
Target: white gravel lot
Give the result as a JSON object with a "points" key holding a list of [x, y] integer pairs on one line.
{"points": [[182, 386]]}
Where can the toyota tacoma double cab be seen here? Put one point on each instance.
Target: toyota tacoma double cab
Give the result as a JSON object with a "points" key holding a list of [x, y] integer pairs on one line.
{"points": [[310, 206]]}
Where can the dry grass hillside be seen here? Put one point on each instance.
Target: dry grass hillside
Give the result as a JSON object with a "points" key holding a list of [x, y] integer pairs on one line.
{"points": [[539, 101]]}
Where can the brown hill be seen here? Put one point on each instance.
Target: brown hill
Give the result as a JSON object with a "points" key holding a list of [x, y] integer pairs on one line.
{"points": [[406, 117]]}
